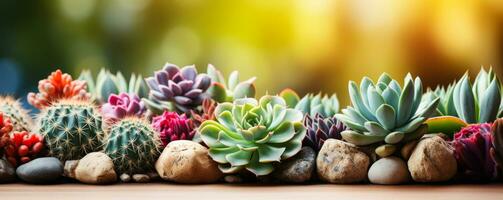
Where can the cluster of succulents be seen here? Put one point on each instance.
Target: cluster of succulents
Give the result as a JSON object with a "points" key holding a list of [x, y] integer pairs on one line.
{"points": [[133, 121]]}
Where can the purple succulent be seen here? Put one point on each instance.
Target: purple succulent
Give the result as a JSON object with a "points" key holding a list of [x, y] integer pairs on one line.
{"points": [[177, 89], [320, 129], [122, 105], [473, 145], [172, 126]]}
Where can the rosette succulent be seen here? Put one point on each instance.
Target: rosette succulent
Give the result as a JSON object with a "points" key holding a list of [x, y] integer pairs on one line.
{"points": [[172, 126], [107, 84], [253, 135], [473, 146], [385, 112], [207, 112], [176, 89], [320, 129], [122, 105], [446, 101], [228, 91], [480, 103], [316, 104], [58, 86]]}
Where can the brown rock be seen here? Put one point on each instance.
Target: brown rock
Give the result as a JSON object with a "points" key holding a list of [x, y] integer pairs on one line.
{"points": [[185, 161], [95, 168], [432, 161], [341, 162]]}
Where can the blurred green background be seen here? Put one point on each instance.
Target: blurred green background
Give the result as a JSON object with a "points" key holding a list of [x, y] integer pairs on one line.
{"points": [[307, 45]]}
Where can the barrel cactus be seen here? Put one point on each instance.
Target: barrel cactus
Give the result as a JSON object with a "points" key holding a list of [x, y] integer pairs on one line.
{"points": [[317, 104], [133, 146], [108, 83], [228, 91], [58, 86], [253, 135], [473, 146], [20, 117], [122, 105], [71, 129], [176, 89], [384, 112]]}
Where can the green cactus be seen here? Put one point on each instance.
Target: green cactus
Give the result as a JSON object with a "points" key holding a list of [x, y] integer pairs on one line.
{"points": [[107, 83], [312, 104], [384, 112], [20, 118], [223, 91], [71, 129], [133, 146], [253, 135]]}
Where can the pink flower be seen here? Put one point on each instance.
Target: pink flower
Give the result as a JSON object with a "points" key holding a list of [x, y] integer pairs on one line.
{"points": [[172, 126], [122, 105]]}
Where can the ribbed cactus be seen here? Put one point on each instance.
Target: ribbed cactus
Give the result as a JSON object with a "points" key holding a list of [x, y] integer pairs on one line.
{"points": [[230, 90], [107, 83], [133, 146], [20, 118], [71, 129]]}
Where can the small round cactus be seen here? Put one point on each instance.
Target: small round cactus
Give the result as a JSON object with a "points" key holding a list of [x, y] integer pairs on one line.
{"points": [[23, 147], [21, 119], [133, 146], [172, 126], [71, 128]]}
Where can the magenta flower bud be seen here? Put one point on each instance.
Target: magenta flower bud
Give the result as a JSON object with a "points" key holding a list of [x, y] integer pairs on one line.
{"points": [[172, 126], [121, 106]]}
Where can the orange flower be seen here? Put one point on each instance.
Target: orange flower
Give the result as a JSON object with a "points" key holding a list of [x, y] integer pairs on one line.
{"points": [[58, 86]]}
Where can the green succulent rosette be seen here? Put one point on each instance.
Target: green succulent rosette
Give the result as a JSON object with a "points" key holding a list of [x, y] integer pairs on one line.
{"points": [[384, 112], [253, 135]]}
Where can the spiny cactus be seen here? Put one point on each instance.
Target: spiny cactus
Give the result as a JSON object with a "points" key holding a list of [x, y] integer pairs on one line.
{"points": [[20, 118], [172, 126], [58, 86], [122, 105], [473, 146], [223, 91], [23, 147], [176, 89], [316, 104], [253, 135], [5, 129], [320, 129], [71, 129], [133, 146], [384, 112], [480, 103], [107, 83]]}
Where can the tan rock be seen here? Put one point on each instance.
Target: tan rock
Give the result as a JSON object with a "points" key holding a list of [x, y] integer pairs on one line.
{"points": [[96, 168], [432, 161], [185, 161], [341, 162]]}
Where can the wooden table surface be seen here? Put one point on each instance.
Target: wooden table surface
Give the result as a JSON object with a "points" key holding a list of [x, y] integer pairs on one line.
{"points": [[169, 191]]}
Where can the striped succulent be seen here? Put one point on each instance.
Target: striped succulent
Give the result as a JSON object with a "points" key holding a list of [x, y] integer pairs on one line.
{"points": [[385, 112], [479, 103], [228, 91], [253, 135]]}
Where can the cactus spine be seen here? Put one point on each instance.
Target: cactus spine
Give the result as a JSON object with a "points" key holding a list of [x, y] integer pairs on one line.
{"points": [[20, 118], [71, 128]]}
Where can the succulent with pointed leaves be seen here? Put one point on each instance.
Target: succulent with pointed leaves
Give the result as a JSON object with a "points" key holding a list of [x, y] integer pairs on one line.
{"points": [[446, 101], [207, 112], [133, 146], [121, 106], [385, 112], [20, 117], [316, 104], [253, 135], [480, 103], [107, 84], [473, 146], [172, 126], [320, 129], [228, 91], [176, 89], [71, 129], [56, 87]]}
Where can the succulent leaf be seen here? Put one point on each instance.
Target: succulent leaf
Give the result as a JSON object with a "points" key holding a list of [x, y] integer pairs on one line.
{"points": [[222, 91]]}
